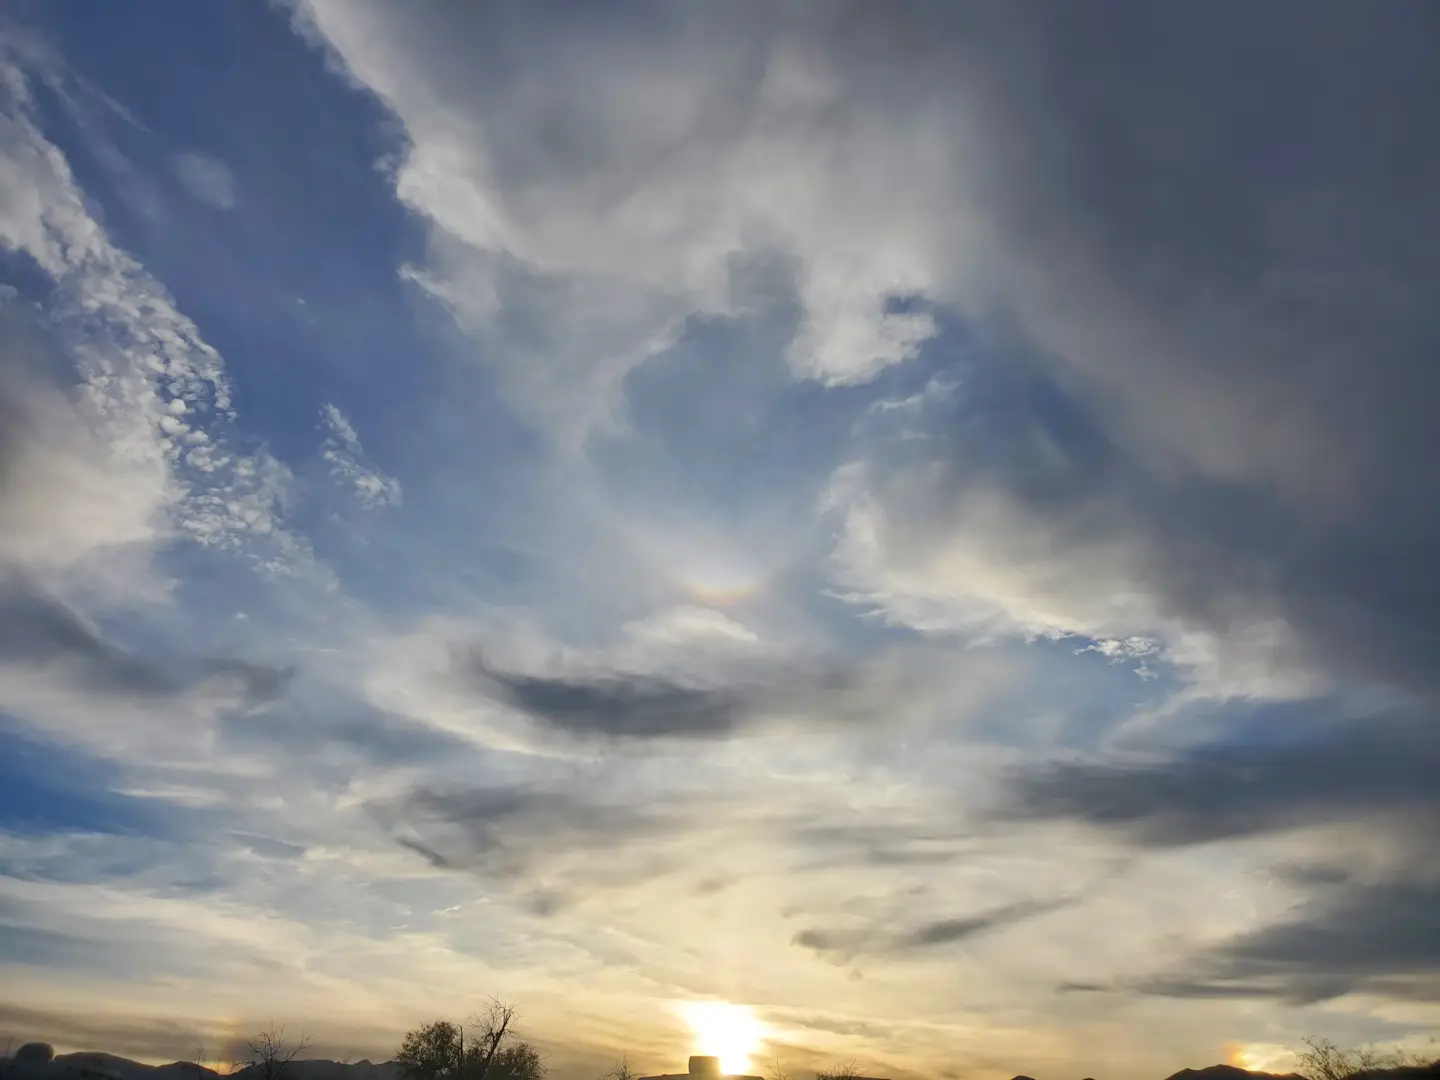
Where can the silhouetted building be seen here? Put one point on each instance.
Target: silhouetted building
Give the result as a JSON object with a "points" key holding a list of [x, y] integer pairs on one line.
{"points": [[703, 1068]]}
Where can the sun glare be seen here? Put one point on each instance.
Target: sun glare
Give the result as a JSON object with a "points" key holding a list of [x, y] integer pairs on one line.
{"points": [[728, 1032], [1261, 1057]]}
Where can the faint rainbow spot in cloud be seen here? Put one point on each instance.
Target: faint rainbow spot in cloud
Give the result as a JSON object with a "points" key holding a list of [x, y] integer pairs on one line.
{"points": [[709, 573]]}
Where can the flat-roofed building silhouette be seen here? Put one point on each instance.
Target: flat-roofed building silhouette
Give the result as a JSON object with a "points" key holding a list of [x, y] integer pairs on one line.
{"points": [[703, 1068]]}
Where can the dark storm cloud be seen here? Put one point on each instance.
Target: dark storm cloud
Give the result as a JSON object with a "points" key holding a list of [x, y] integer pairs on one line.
{"points": [[845, 944], [1380, 771]]}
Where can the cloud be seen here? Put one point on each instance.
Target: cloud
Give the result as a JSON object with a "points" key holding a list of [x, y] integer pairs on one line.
{"points": [[1366, 917], [947, 931], [1378, 937], [65, 677], [206, 178], [1109, 322], [692, 694], [344, 733], [36, 629], [345, 456], [506, 832], [1380, 771], [847, 944], [895, 844], [1153, 471], [148, 397], [585, 218], [69, 500], [622, 705], [688, 625], [137, 1036]]}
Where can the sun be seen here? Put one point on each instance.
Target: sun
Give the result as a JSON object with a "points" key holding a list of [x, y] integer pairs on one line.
{"points": [[729, 1032]]}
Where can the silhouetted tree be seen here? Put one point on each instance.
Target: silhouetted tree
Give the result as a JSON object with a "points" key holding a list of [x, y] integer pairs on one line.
{"points": [[518, 1061], [848, 1071], [488, 1031], [269, 1053], [623, 1070], [431, 1052], [446, 1051], [1323, 1060]]}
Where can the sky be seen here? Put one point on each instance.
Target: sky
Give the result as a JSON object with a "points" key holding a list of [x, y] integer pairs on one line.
{"points": [[914, 521]]}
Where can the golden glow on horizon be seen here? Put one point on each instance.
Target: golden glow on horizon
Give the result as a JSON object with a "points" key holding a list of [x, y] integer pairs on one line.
{"points": [[730, 1032], [1260, 1057]]}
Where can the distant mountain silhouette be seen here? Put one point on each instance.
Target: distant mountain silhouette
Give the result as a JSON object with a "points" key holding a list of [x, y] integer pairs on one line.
{"points": [[92, 1065], [321, 1069], [36, 1061], [1230, 1072]]}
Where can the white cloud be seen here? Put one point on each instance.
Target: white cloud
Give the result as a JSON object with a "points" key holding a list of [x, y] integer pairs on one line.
{"points": [[153, 396], [582, 215], [68, 499], [206, 178], [688, 625], [345, 455], [922, 551]]}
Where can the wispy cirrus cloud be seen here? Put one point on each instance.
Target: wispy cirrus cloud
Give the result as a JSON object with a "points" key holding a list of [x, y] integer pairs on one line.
{"points": [[345, 456], [206, 178]]}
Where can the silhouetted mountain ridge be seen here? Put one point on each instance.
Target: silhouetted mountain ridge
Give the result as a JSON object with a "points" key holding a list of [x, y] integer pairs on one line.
{"points": [[94, 1065], [1230, 1072]]}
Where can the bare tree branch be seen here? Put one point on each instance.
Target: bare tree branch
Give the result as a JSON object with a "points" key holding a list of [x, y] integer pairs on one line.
{"points": [[269, 1053], [1323, 1060], [490, 1029]]}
